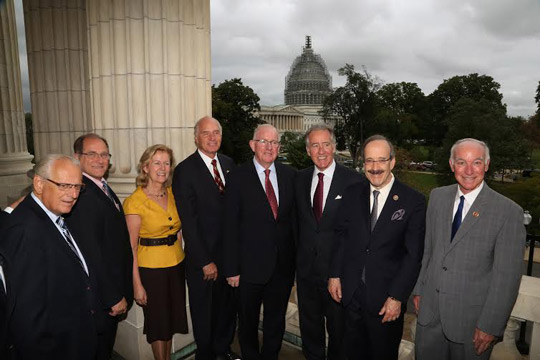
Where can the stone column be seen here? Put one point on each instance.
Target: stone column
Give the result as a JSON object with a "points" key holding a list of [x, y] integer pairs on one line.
{"points": [[58, 70], [15, 160], [149, 77]]}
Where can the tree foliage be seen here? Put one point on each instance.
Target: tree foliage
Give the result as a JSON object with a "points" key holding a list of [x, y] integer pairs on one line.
{"points": [[235, 105], [354, 104], [479, 119], [537, 99], [294, 146], [473, 86]]}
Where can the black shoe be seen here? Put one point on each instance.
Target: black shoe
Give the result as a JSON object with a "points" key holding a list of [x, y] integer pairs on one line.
{"points": [[229, 356]]}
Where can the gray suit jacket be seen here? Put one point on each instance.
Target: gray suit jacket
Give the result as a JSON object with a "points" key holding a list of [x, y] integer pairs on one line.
{"points": [[472, 281]]}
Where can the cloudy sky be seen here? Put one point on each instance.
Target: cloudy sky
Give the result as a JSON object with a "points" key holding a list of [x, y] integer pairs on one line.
{"points": [[422, 41]]}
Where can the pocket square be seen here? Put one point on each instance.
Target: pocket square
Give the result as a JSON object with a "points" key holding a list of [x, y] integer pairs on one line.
{"points": [[398, 215], [338, 197]]}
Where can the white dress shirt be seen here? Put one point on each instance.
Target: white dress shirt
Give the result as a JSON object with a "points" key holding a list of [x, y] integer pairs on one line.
{"points": [[383, 195], [262, 177], [467, 203], [208, 162], [327, 181]]}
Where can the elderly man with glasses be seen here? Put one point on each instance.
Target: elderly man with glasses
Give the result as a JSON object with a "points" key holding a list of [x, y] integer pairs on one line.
{"points": [[51, 300]]}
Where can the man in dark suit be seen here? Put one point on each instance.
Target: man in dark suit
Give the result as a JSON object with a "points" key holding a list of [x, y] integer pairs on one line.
{"points": [[4, 343], [198, 186], [472, 264], [50, 279], [376, 260], [99, 222], [260, 242], [319, 192]]}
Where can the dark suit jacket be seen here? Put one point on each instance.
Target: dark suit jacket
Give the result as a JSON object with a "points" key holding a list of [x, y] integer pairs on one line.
{"points": [[256, 244], [315, 239], [102, 231], [53, 316], [5, 309], [391, 255], [200, 206]]}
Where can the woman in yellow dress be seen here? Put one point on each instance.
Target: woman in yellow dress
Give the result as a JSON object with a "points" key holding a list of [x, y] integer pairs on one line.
{"points": [[156, 240]]}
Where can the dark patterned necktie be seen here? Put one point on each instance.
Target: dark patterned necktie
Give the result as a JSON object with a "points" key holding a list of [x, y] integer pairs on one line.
{"points": [[457, 218], [318, 198], [217, 177], [375, 208], [107, 190], [270, 194], [69, 240]]}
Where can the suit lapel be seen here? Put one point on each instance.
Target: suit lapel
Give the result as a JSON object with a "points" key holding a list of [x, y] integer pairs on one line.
{"points": [[57, 239], [95, 190], [330, 205], [306, 193], [283, 189], [470, 219], [225, 167], [390, 206]]}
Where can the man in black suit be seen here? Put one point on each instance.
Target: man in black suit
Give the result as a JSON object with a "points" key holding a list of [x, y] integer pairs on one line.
{"points": [[49, 276], [260, 218], [377, 255], [3, 295], [319, 192], [99, 222], [198, 186]]}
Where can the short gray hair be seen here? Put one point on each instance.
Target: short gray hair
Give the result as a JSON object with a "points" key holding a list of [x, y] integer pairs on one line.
{"points": [[44, 166], [196, 128], [375, 138], [470, 140], [263, 126], [320, 127]]}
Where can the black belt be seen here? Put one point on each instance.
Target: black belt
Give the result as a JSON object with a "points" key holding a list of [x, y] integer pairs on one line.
{"points": [[169, 240]]}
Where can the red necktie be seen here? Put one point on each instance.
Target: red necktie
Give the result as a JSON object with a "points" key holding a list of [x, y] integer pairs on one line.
{"points": [[217, 177], [318, 198], [270, 194]]}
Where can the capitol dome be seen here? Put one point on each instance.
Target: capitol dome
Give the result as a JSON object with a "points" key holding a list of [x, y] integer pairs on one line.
{"points": [[308, 81]]}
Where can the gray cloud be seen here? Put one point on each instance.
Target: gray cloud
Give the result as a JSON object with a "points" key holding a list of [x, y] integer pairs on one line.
{"points": [[425, 41]]}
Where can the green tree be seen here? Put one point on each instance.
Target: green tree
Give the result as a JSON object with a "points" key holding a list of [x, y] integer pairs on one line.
{"points": [[29, 133], [294, 146], [481, 120], [354, 106], [235, 105], [400, 110], [473, 86]]}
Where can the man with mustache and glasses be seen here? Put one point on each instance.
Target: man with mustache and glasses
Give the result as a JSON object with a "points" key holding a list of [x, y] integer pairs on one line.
{"points": [[52, 296], [377, 255]]}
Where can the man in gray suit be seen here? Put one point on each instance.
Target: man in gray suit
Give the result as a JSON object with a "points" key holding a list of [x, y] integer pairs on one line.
{"points": [[471, 268]]}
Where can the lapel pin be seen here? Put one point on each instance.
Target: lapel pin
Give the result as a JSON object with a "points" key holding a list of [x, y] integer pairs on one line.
{"points": [[395, 197], [227, 171], [475, 214]]}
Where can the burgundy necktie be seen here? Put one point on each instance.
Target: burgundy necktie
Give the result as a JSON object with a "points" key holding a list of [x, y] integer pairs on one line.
{"points": [[270, 194], [318, 198], [217, 177]]}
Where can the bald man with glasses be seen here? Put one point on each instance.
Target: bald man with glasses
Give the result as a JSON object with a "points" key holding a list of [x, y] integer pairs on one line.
{"points": [[52, 292]]}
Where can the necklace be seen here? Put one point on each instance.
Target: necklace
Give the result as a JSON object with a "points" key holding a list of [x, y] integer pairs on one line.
{"points": [[158, 195]]}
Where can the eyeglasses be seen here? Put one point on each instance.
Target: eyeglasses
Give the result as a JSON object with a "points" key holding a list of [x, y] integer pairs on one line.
{"points": [[263, 142], [66, 186], [94, 155], [379, 161]]}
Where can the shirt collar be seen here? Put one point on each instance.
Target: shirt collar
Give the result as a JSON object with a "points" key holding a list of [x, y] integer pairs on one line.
{"points": [[259, 168], [49, 213], [386, 188], [207, 159], [329, 171], [99, 182], [471, 196]]}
